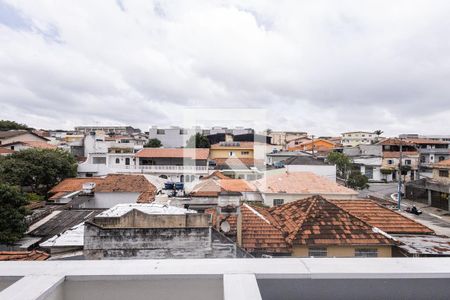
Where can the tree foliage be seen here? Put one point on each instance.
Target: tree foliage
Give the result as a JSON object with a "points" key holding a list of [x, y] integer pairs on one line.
{"points": [[357, 181], [12, 214], [11, 125], [198, 141], [153, 143], [342, 162], [38, 169]]}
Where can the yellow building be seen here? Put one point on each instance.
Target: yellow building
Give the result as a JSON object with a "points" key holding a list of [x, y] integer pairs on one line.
{"points": [[232, 150]]}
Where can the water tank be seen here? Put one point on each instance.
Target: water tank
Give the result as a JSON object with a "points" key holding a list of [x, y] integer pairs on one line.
{"points": [[168, 185]]}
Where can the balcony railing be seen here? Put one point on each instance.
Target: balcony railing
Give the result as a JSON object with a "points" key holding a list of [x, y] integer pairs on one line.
{"points": [[168, 168]]}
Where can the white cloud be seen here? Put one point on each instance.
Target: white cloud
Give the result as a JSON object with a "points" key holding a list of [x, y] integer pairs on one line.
{"points": [[320, 66]]}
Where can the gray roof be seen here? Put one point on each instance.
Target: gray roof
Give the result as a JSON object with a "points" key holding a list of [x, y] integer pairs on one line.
{"points": [[424, 245]]}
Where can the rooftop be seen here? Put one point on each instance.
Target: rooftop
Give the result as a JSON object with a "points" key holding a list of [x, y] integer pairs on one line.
{"points": [[426, 245], [237, 279], [381, 217], [301, 183], [234, 145], [152, 208], [213, 187], [442, 164]]}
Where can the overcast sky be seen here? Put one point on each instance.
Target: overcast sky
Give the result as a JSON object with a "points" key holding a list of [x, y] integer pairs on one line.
{"points": [[319, 66]]}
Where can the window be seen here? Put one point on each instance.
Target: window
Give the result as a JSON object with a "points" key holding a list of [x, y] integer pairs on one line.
{"points": [[441, 158], [99, 160], [12, 147], [366, 252], [245, 153], [390, 162], [127, 161], [443, 173], [407, 161], [183, 131], [422, 159], [317, 251], [278, 202], [160, 131], [231, 153], [117, 161]]}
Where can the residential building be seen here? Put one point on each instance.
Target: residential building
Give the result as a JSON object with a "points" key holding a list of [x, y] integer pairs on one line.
{"points": [[175, 164], [308, 227], [369, 160], [297, 141], [106, 129], [355, 138], [139, 231], [442, 137], [209, 192], [286, 187], [24, 145], [12, 136], [239, 159], [6, 151], [176, 137], [391, 159], [434, 191], [431, 152], [283, 138], [310, 164], [104, 192], [318, 147]]}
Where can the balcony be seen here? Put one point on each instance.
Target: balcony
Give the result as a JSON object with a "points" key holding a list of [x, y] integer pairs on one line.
{"points": [[277, 278], [436, 151], [186, 169]]}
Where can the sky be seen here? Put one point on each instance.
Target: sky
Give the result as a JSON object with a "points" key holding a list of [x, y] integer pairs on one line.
{"points": [[324, 67]]}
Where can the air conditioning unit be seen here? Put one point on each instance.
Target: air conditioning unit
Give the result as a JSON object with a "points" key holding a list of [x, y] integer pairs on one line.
{"points": [[88, 188]]}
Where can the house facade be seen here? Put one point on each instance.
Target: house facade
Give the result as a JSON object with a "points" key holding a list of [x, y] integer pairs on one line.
{"points": [[355, 138]]}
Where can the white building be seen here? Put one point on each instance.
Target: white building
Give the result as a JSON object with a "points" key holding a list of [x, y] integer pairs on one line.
{"points": [[355, 138]]}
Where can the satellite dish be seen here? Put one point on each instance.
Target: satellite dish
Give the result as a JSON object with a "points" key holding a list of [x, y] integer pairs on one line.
{"points": [[225, 226]]}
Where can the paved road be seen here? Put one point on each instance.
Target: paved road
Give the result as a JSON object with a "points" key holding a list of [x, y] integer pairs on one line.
{"points": [[436, 219]]}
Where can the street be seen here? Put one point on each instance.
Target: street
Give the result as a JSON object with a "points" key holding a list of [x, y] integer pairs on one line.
{"points": [[435, 218]]}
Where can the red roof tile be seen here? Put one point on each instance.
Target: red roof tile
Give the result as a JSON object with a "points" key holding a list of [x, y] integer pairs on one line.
{"points": [[381, 217], [23, 255], [212, 187]]}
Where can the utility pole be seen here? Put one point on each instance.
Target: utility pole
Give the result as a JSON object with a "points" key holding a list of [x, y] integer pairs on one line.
{"points": [[399, 195], [312, 145]]}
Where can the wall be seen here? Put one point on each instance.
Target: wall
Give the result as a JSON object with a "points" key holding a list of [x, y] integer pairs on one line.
{"points": [[342, 251], [268, 198], [154, 243], [108, 200], [325, 171], [445, 180], [225, 153]]}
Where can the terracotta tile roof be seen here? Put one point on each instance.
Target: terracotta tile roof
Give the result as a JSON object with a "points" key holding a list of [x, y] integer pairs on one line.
{"points": [[382, 217], [13, 133], [317, 221], [260, 233], [6, 151], [442, 164], [32, 144], [238, 162], [315, 141], [23, 255], [396, 154], [394, 141], [301, 183], [73, 184], [212, 187], [216, 175], [109, 184], [422, 141], [216, 219], [199, 153]]}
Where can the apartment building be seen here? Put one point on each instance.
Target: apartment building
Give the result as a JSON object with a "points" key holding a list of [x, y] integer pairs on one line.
{"points": [[355, 138]]}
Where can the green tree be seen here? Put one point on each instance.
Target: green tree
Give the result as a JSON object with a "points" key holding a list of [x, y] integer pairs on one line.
{"points": [[10, 125], [198, 141], [12, 214], [342, 162], [357, 181], [38, 169], [153, 143]]}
